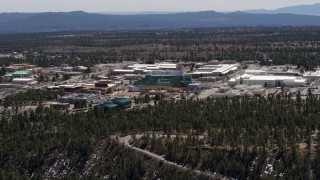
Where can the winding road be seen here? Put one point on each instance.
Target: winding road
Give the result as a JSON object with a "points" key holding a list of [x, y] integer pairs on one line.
{"points": [[125, 140]]}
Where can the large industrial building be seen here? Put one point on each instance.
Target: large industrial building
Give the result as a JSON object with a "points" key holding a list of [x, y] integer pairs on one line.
{"points": [[163, 79], [144, 68], [268, 80], [215, 70], [160, 66]]}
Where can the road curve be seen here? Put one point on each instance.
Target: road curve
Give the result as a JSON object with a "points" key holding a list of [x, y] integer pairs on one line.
{"points": [[125, 140]]}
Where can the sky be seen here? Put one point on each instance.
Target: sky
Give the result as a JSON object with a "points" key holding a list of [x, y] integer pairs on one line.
{"points": [[143, 5]]}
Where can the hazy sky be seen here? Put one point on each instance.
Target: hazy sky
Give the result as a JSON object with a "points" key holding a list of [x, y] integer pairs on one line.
{"points": [[143, 5]]}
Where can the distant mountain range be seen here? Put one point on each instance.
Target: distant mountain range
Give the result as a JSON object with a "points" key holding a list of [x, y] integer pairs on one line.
{"points": [[78, 21], [301, 10]]}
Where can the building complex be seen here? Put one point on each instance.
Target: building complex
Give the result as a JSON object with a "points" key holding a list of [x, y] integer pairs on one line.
{"points": [[260, 77]]}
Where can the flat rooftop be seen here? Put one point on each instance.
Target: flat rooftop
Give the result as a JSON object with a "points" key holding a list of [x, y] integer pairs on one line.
{"points": [[21, 73]]}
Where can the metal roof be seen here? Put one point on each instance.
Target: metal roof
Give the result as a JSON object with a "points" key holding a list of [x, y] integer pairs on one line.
{"points": [[110, 105], [21, 73], [121, 100]]}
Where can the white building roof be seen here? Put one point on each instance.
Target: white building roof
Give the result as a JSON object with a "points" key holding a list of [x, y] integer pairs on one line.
{"points": [[153, 66], [124, 70], [272, 78], [221, 68], [23, 79], [250, 77]]}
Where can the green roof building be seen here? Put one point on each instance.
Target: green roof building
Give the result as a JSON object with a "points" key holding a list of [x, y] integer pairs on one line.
{"points": [[116, 103], [21, 74], [122, 102], [110, 105], [8, 75]]}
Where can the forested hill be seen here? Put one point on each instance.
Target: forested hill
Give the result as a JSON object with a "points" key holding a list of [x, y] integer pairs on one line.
{"points": [[260, 138], [71, 21]]}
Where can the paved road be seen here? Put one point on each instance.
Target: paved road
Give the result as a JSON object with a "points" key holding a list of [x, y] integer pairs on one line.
{"points": [[125, 140]]}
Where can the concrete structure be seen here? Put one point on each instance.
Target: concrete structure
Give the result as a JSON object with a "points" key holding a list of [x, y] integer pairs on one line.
{"points": [[24, 81], [268, 81]]}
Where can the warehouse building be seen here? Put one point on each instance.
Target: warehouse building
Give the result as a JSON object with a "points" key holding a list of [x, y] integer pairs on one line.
{"points": [[268, 81]]}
